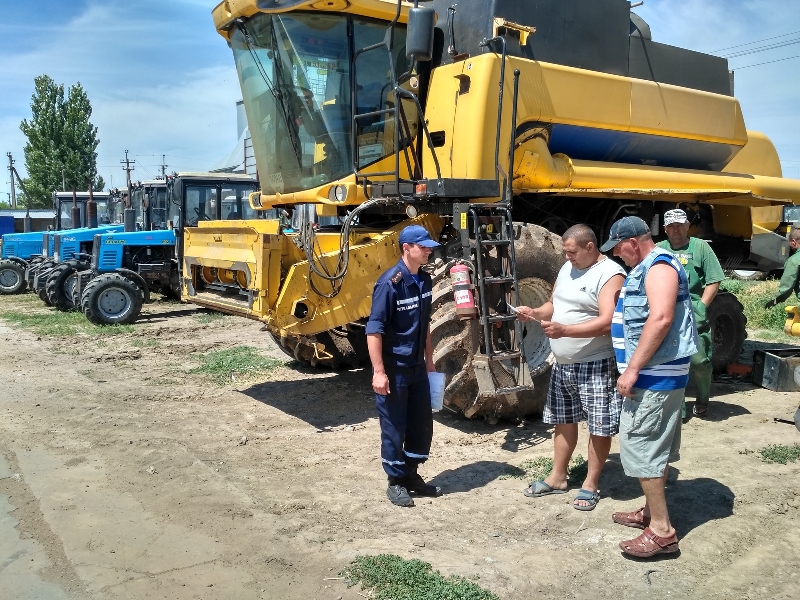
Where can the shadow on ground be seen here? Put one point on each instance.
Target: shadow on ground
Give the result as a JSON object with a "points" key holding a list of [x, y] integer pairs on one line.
{"points": [[471, 476], [718, 410], [323, 399], [328, 400], [691, 502], [157, 317]]}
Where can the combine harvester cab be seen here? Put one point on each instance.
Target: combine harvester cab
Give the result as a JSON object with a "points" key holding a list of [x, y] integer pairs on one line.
{"points": [[533, 116]]}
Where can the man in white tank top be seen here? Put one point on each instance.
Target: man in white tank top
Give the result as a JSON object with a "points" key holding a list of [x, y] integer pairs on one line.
{"points": [[577, 319]]}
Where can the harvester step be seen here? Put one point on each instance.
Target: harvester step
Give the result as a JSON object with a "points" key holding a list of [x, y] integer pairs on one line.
{"points": [[505, 355], [501, 318], [506, 279]]}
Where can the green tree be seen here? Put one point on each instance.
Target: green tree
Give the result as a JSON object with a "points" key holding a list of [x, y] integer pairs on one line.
{"points": [[60, 135]]}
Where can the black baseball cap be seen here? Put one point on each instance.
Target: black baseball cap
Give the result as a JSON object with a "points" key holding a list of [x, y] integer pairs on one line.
{"points": [[624, 229]]}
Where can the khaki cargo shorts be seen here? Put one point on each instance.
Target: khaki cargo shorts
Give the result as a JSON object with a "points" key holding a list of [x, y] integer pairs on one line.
{"points": [[650, 431]]}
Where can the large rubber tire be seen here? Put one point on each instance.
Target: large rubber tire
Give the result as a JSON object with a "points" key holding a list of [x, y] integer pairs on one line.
{"points": [[42, 293], [112, 299], [746, 275], [728, 330], [345, 348], [539, 258], [37, 285], [60, 285], [12, 277]]}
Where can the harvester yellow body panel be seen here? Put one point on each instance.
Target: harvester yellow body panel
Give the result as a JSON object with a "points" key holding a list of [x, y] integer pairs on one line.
{"points": [[273, 275]]}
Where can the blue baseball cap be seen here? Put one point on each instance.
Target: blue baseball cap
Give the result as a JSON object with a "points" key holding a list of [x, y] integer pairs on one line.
{"points": [[624, 229], [416, 234]]}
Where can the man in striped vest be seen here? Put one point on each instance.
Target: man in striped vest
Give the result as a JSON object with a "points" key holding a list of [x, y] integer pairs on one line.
{"points": [[654, 337]]}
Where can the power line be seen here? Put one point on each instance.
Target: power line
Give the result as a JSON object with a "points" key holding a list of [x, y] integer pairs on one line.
{"points": [[762, 48], [769, 62], [756, 42]]}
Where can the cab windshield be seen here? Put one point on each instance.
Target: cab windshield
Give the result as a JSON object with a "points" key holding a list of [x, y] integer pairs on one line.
{"points": [[296, 76]]}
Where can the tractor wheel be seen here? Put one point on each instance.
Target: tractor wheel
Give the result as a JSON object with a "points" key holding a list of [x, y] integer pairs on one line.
{"points": [[42, 293], [61, 284], [112, 299], [30, 271], [37, 277], [345, 348], [539, 258], [12, 277], [728, 330]]}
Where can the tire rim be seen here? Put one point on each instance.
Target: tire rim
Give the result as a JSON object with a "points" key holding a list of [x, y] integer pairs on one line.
{"points": [[9, 279], [114, 302], [535, 345]]}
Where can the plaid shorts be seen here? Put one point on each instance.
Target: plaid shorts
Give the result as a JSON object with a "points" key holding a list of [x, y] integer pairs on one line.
{"points": [[585, 391]]}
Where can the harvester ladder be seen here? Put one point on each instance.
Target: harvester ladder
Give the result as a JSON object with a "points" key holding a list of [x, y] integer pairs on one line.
{"points": [[501, 238]]}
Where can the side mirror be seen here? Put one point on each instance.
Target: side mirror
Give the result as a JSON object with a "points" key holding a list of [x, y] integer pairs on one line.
{"points": [[419, 37]]}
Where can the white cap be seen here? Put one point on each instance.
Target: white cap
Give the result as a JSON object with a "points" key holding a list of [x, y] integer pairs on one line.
{"points": [[675, 215]]}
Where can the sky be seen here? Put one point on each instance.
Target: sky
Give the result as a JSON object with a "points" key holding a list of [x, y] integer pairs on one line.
{"points": [[162, 81]]}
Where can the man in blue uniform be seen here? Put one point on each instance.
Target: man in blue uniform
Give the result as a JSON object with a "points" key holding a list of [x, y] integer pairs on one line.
{"points": [[399, 341]]}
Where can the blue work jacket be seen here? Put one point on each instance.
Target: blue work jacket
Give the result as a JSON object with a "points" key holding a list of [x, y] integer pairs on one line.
{"points": [[401, 312]]}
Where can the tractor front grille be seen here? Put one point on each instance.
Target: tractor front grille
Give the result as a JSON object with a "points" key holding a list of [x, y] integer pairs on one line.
{"points": [[108, 259]]}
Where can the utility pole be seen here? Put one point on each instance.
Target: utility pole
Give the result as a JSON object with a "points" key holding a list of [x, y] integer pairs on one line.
{"points": [[13, 186], [163, 167], [128, 168]]}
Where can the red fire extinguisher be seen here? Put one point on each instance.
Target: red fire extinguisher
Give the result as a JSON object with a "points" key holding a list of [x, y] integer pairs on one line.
{"points": [[462, 292]]}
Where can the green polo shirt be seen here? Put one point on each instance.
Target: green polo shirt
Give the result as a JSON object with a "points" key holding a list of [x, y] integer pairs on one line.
{"points": [[701, 265], [790, 282]]}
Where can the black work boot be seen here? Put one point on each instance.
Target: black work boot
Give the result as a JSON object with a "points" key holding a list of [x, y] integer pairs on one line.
{"points": [[397, 493], [416, 484]]}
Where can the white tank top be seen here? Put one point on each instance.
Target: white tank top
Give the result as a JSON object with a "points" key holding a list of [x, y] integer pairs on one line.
{"points": [[575, 300]]}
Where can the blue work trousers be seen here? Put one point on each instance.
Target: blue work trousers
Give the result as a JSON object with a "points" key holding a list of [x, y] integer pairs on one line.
{"points": [[406, 420]]}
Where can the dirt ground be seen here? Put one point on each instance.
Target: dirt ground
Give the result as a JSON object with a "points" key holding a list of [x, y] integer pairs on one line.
{"points": [[122, 475]]}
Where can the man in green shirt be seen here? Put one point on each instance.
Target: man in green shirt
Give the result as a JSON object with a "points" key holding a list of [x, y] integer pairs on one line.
{"points": [[790, 280], [705, 274]]}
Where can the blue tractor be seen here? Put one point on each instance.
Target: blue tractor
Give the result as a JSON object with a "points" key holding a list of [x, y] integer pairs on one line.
{"points": [[23, 253], [72, 250], [54, 279], [126, 267]]}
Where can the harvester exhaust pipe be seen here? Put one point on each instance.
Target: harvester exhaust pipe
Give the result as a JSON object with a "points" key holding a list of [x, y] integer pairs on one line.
{"points": [[91, 208], [28, 223], [76, 211], [129, 216]]}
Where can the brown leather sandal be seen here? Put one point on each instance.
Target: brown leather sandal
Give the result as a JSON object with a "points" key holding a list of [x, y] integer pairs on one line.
{"points": [[649, 544], [632, 519]]}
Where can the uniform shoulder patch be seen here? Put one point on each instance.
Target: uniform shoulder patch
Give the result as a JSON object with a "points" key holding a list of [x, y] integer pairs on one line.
{"points": [[397, 277]]}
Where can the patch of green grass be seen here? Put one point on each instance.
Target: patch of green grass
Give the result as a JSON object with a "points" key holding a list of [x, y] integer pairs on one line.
{"points": [[225, 366], [390, 577], [145, 342], [780, 453], [48, 322], [541, 466], [209, 317], [753, 295]]}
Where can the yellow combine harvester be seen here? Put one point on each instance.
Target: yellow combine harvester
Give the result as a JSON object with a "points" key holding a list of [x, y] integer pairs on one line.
{"points": [[496, 124]]}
